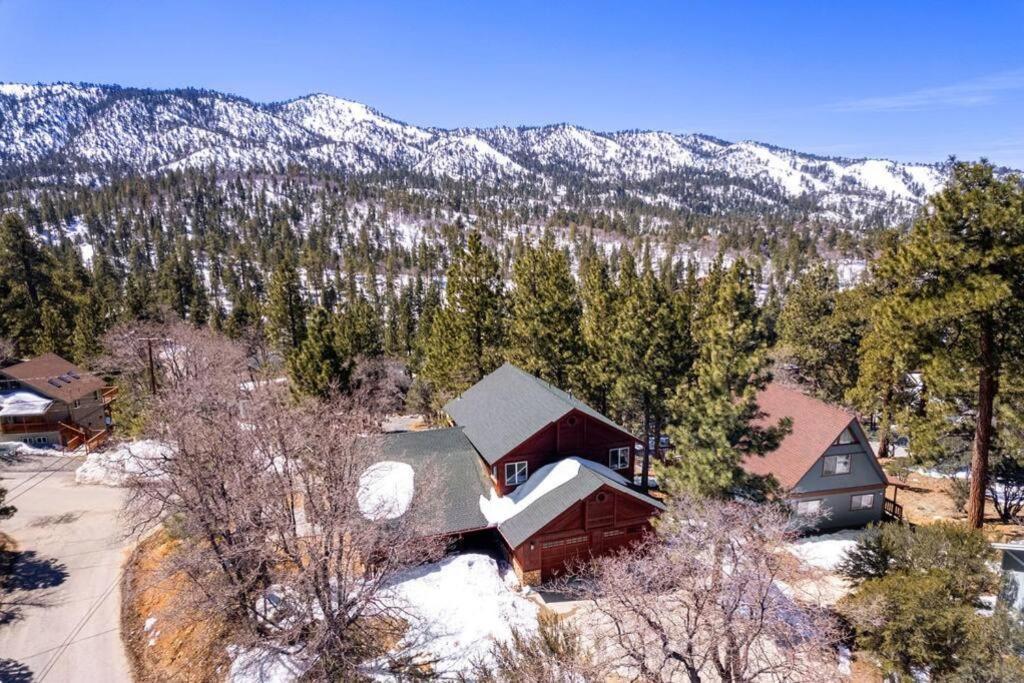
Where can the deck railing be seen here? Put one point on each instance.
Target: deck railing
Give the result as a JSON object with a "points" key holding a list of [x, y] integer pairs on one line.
{"points": [[892, 510]]}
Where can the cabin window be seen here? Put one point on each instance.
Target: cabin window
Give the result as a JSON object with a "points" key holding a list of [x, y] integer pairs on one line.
{"points": [[862, 501], [515, 473], [618, 458], [837, 464], [846, 438], [76, 404], [808, 507]]}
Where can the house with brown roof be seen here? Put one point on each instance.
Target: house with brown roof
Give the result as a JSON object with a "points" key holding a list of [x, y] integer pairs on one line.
{"points": [[825, 464], [50, 402]]}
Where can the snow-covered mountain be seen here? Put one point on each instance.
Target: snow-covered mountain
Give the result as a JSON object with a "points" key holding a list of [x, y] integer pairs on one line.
{"points": [[64, 132]]}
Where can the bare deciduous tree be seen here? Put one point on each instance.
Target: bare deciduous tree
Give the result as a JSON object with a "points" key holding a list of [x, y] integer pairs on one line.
{"points": [[265, 493], [714, 596]]}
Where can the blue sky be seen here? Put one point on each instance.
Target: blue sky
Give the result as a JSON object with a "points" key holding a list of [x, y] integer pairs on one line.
{"points": [[908, 80]]}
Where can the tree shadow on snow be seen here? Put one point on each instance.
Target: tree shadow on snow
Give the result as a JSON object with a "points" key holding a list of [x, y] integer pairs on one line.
{"points": [[12, 671]]}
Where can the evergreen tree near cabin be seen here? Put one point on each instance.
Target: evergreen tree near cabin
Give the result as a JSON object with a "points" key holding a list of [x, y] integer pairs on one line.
{"points": [[713, 416], [956, 285], [319, 365], [544, 328], [467, 334], [820, 329], [286, 307], [26, 283], [597, 333]]}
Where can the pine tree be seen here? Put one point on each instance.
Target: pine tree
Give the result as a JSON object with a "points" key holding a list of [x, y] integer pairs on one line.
{"points": [[467, 334], [544, 328], [286, 306], [956, 284], [88, 329], [647, 352], [597, 332], [712, 421], [820, 329], [25, 284], [319, 366]]}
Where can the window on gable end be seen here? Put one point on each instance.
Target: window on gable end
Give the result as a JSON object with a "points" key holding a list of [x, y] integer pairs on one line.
{"points": [[846, 438], [516, 473]]}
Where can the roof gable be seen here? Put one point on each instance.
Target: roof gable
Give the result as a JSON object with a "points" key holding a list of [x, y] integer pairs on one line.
{"points": [[508, 406], [816, 425], [537, 511], [54, 377]]}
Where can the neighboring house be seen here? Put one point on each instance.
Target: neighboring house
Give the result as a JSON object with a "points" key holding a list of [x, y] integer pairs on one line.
{"points": [[531, 466], [825, 465], [1012, 568], [48, 401]]}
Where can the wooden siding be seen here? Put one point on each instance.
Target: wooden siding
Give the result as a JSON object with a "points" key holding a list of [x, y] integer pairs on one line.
{"points": [[604, 521], [575, 434]]}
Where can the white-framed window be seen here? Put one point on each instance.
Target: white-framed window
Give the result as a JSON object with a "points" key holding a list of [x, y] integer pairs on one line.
{"points": [[77, 403], [618, 458], [846, 438], [515, 473], [862, 501], [836, 464], [808, 507]]}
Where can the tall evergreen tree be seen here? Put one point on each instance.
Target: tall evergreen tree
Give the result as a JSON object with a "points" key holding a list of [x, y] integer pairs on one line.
{"points": [[956, 283], [25, 285], [713, 415], [286, 306], [544, 328], [597, 332], [467, 334], [319, 365]]}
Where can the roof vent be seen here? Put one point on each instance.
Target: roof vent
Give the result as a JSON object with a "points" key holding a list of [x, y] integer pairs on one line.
{"points": [[53, 381]]}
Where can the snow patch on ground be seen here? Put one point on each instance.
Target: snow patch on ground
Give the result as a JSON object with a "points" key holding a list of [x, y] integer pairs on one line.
{"points": [[385, 490], [115, 466], [499, 508], [259, 665], [459, 607], [825, 551]]}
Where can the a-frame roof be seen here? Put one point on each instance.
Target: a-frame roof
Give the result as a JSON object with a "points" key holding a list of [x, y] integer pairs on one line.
{"points": [[508, 406], [816, 425]]}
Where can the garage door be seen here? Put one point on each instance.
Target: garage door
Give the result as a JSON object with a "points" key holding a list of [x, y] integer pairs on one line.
{"points": [[554, 554]]}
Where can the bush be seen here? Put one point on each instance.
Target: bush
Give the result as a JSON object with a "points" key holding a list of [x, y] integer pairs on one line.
{"points": [[899, 469], [960, 552], [959, 490]]}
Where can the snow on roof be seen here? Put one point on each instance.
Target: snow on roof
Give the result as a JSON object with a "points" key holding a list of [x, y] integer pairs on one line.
{"points": [[385, 490], [497, 509], [19, 402]]}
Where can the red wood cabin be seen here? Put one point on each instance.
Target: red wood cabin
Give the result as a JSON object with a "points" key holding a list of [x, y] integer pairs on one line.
{"points": [[548, 473]]}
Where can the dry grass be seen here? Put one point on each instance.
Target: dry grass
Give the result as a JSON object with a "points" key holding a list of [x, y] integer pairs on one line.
{"points": [[929, 499], [175, 649]]}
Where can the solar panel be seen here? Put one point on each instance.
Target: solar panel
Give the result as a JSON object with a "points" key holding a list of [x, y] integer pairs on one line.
{"points": [[54, 381]]}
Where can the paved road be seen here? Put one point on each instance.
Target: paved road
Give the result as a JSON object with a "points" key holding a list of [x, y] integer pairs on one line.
{"points": [[65, 625]]}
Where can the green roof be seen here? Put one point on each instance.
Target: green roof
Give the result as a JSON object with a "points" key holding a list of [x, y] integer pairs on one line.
{"points": [[447, 459], [540, 512], [508, 406]]}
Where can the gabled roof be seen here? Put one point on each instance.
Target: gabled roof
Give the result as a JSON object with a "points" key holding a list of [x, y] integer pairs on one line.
{"points": [[816, 425], [54, 377], [508, 406], [445, 459], [555, 488]]}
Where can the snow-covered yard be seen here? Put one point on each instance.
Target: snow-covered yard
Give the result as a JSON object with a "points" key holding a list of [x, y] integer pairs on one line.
{"points": [[456, 609], [826, 551]]}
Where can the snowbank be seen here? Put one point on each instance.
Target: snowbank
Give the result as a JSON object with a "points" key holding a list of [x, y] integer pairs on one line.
{"points": [[825, 551], [499, 508], [385, 490], [458, 607], [115, 466], [264, 666]]}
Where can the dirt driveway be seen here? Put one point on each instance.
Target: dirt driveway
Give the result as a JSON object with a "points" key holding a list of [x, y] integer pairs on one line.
{"points": [[59, 613]]}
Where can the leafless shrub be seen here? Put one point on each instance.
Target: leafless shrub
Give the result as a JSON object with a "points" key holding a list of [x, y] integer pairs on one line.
{"points": [[713, 597], [6, 351], [556, 653], [379, 384], [264, 492]]}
